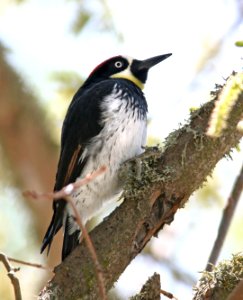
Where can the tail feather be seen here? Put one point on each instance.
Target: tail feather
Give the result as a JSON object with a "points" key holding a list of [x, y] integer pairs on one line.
{"points": [[70, 241], [55, 225], [51, 231]]}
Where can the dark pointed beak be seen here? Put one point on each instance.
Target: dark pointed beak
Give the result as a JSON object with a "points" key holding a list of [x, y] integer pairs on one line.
{"points": [[140, 68], [150, 62]]}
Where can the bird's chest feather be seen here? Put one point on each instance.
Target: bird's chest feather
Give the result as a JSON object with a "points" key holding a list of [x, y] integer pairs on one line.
{"points": [[122, 137]]}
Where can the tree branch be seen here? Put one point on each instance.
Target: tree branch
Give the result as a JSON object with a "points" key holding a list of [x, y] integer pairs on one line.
{"points": [[26, 263], [237, 293], [150, 290], [65, 193], [11, 275], [226, 220], [223, 282], [167, 180]]}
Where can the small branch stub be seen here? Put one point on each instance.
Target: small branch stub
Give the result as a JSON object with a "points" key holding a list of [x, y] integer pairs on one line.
{"points": [[150, 290], [11, 275]]}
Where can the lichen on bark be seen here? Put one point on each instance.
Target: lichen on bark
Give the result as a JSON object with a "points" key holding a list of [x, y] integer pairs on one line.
{"points": [[220, 282]]}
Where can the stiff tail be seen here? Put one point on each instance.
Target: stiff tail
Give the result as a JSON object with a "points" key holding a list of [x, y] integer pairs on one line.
{"points": [[71, 240], [55, 225], [51, 231]]}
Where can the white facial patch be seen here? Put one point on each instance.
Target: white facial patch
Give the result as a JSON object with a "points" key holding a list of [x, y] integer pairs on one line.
{"points": [[127, 74]]}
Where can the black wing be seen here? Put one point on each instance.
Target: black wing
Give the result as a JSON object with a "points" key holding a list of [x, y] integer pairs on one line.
{"points": [[82, 122]]}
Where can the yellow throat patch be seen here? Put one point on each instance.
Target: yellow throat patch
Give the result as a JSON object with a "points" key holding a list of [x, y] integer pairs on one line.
{"points": [[126, 74]]}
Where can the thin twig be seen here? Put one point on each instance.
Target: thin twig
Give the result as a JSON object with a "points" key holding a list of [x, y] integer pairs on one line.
{"points": [[226, 220], [68, 189], [168, 294], [35, 265], [65, 193], [11, 275], [99, 272]]}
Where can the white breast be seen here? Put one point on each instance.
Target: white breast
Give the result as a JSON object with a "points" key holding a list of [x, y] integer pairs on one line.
{"points": [[122, 137]]}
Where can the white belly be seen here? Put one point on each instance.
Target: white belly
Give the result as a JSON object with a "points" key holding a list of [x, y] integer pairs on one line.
{"points": [[122, 137]]}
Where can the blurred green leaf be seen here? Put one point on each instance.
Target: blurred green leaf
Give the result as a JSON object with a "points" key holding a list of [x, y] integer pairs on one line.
{"points": [[101, 17], [82, 18], [239, 43]]}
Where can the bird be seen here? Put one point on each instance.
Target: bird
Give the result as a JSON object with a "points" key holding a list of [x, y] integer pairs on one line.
{"points": [[105, 125]]}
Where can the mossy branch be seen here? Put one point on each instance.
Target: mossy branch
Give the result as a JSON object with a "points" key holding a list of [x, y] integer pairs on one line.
{"points": [[224, 104], [163, 183], [150, 290], [220, 282]]}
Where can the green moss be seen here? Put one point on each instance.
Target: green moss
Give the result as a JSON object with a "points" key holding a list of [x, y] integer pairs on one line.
{"points": [[227, 99], [172, 138], [141, 172], [219, 283], [53, 292], [198, 139]]}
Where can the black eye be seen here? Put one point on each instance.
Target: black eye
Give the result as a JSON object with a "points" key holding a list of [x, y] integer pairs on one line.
{"points": [[118, 64]]}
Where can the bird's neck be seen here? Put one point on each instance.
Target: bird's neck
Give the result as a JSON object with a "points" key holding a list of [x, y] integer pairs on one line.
{"points": [[129, 76]]}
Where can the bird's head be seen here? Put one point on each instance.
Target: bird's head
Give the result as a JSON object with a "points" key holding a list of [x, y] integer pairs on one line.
{"points": [[127, 68]]}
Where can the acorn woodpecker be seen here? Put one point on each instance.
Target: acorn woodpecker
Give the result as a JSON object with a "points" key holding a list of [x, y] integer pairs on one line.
{"points": [[105, 125]]}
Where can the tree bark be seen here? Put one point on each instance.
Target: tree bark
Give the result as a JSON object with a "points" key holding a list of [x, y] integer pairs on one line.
{"points": [[150, 290], [165, 183], [27, 146], [237, 293]]}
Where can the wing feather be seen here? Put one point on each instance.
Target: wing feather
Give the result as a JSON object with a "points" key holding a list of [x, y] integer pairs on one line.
{"points": [[81, 124]]}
